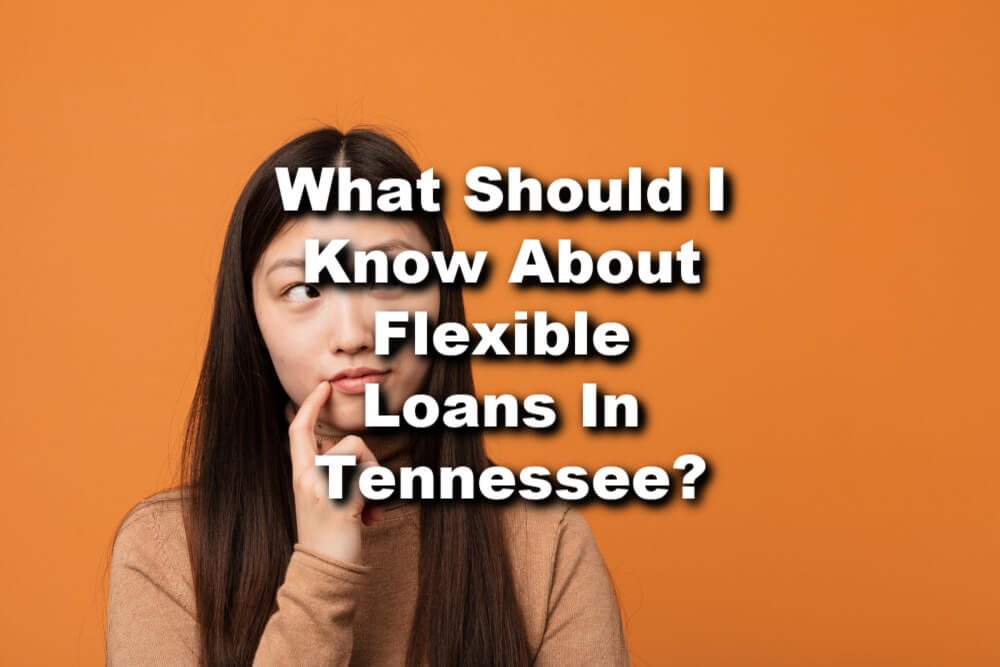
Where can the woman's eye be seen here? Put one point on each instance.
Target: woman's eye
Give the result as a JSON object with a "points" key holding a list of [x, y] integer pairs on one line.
{"points": [[301, 292]]}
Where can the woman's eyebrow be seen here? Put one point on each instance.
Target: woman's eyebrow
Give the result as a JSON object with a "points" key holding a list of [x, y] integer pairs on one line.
{"points": [[394, 244], [286, 261], [299, 262]]}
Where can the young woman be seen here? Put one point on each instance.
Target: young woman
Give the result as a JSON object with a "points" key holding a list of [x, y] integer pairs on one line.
{"points": [[249, 562]]}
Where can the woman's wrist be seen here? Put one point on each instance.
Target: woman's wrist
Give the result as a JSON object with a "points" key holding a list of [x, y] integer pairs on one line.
{"points": [[324, 563]]}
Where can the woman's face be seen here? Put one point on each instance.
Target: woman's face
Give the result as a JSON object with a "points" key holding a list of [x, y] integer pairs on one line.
{"points": [[314, 333]]}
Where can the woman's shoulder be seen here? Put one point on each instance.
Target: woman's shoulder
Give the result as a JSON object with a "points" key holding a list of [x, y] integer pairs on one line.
{"points": [[152, 539], [546, 538], [544, 525], [154, 513]]}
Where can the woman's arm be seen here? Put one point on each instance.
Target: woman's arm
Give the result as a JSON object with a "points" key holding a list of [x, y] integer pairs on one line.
{"points": [[151, 612], [315, 618], [583, 626]]}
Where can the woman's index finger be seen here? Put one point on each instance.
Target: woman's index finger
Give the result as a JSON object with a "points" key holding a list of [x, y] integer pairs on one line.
{"points": [[302, 441]]}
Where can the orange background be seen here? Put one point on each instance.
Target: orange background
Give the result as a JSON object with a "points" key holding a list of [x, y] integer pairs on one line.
{"points": [[838, 370]]}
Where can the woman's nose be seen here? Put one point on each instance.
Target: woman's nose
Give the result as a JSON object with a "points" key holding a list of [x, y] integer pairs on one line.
{"points": [[350, 330]]}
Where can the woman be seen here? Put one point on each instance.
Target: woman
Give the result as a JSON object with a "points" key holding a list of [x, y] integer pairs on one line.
{"points": [[249, 562]]}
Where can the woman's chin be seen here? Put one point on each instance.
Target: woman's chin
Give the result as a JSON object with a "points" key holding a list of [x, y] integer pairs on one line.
{"points": [[342, 422]]}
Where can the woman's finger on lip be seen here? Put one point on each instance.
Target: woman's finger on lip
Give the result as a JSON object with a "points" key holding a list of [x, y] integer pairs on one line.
{"points": [[302, 426]]}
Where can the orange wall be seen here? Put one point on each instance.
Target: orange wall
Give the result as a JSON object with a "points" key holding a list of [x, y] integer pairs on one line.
{"points": [[838, 371]]}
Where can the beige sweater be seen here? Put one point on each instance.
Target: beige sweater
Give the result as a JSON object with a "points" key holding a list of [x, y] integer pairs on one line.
{"points": [[331, 612]]}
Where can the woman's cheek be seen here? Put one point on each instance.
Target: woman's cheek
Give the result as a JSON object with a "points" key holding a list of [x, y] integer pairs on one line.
{"points": [[409, 381], [296, 367]]}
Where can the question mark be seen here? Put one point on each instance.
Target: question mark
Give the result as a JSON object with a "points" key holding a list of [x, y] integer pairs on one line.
{"points": [[697, 465]]}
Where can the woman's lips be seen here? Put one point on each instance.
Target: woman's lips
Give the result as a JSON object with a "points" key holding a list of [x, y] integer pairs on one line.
{"points": [[356, 385]]}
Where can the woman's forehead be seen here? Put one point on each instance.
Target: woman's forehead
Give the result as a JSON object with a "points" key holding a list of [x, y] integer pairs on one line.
{"points": [[362, 231]]}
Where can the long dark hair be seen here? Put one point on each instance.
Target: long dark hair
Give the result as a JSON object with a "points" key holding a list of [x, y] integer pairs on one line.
{"points": [[239, 511]]}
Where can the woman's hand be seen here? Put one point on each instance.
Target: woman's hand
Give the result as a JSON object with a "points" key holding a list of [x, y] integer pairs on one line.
{"points": [[330, 527]]}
